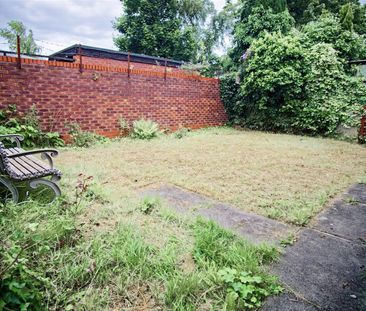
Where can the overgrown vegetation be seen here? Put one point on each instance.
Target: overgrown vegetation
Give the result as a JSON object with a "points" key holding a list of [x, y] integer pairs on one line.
{"points": [[46, 262], [236, 264], [82, 138], [296, 80], [27, 125]]}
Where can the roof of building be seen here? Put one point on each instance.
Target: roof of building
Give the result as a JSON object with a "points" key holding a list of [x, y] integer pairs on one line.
{"points": [[358, 62], [91, 51]]}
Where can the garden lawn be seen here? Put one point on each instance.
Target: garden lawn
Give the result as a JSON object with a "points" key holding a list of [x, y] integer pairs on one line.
{"points": [[285, 177], [102, 247]]}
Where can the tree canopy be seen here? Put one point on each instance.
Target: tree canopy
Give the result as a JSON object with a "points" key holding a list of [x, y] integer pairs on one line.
{"points": [[27, 43], [305, 11], [290, 69], [167, 28]]}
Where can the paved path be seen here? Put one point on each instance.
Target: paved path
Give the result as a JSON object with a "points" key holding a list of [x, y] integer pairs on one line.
{"points": [[255, 228], [325, 269]]}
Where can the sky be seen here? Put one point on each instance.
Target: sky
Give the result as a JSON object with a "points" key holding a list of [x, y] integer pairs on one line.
{"points": [[57, 24]]}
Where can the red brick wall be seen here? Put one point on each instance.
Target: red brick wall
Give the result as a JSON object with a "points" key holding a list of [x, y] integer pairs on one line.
{"points": [[99, 96]]}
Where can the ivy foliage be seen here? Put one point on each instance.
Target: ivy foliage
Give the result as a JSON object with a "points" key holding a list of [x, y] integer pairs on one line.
{"points": [[329, 29], [230, 96], [291, 79], [290, 87]]}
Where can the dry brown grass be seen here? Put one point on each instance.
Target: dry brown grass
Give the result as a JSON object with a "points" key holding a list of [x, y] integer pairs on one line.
{"points": [[286, 177]]}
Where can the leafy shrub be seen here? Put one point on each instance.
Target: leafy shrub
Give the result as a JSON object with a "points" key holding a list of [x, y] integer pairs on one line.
{"points": [[230, 95], [12, 122], [145, 129], [328, 29], [332, 97], [290, 87], [82, 138]]}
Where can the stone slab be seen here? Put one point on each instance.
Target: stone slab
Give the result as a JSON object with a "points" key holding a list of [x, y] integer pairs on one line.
{"points": [[287, 302], [255, 228], [326, 270], [343, 220], [357, 192]]}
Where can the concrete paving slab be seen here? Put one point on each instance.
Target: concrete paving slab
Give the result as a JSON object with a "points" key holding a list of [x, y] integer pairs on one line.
{"points": [[255, 228], [343, 220], [357, 192], [326, 270], [326, 267], [287, 302]]}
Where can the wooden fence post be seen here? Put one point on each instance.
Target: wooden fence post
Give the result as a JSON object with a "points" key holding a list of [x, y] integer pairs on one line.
{"points": [[165, 70], [129, 65], [81, 59], [19, 63]]}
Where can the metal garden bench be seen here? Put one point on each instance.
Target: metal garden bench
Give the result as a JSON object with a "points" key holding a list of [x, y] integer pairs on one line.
{"points": [[18, 165]]}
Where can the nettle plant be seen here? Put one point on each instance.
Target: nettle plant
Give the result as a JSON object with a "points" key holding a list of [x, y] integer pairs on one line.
{"points": [[245, 290]]}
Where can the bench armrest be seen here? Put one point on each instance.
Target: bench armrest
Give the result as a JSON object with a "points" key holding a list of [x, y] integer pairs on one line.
{"points": [[13, 138], [46, 154]]}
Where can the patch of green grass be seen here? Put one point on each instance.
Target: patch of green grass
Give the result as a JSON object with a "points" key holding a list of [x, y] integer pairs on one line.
{"points": [[289, 240], [149, 204], [101, 247], [47, 263], [351, 200]]}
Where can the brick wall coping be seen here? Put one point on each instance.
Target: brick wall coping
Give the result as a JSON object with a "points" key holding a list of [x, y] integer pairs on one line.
{"points": [[10, 59]]}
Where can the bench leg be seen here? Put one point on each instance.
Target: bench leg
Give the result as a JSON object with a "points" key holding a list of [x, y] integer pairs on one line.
{"points": [[10, 186], [36, 182]]}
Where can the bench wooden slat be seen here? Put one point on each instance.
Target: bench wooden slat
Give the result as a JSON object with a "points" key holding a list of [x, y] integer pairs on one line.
{"points": [[21, 164], [15, 169], [30, 160]]}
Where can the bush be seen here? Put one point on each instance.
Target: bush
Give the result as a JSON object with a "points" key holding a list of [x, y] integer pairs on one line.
{"points": [[328, 29], [230, 95], [12, 122], [292, 88], [82, 138], [332, 97], [145, 129]]}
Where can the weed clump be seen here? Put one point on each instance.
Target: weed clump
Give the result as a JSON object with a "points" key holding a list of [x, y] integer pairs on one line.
{"points": [[145, 129]]}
